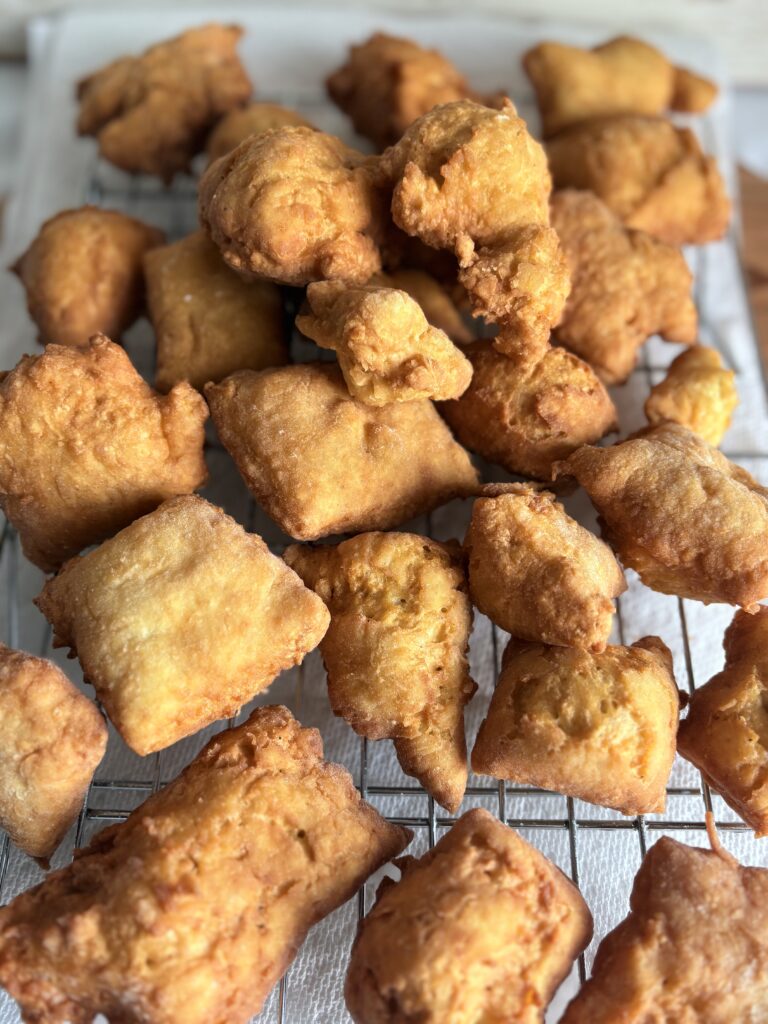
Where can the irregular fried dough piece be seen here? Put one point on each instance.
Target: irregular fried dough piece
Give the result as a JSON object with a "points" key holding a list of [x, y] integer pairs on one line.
{"points": [[255, 119], [86, 447], [396, 649], [151, 114], [693, 949], [82, 274], [436, 301], [625, 286], [481, 928], [653, 176], [295, 205], [698, 393], [726, 732], [526, 415], [677, 511], [387, 350], [191, 910], [321, 463], [599, 727], [622, 76], [538, 574], [208, 321], [51, 741], [181, 619]]}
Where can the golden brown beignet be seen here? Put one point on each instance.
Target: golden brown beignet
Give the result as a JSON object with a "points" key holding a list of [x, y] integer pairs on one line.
{"points": [[697, 392]]}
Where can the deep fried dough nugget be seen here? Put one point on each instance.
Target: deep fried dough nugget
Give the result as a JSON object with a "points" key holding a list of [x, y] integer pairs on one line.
{"points": [[538, 574], [435, 299], [625, 286], [396, 649], [255, 119], [144, 614], [693, 949], [698, 392], [295, 205], [387, 350], [599, 727], [725, 733], [191, 910], [653, 176], [525, 415], [621, 76], [86, 446], [51, 741], [677, 511], [82, 274], [481, 928], [321, 463], [151, 114], [208, 321]]}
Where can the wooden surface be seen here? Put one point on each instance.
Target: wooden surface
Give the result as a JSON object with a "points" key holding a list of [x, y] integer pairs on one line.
{"points": [[754, 208]]}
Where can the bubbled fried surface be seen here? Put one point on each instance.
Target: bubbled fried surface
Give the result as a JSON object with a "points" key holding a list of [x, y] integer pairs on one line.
{"points": [[321, 463], [597, 726], [137, 929], [181, 619], [697, 392], [255, 119], [693, 949], [481, 928], [51, 741], [396, 649], [86, 447], [434, 298]]}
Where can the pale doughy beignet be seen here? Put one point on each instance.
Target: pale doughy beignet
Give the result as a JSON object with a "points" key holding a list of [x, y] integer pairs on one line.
{"points": [[697, 392]]}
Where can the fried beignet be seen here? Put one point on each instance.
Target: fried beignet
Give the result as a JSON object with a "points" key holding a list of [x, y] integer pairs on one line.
{"points": [[82, 274], [625, 286], [191, 910], [599, 727], [653, 176], [525, 415], [725, 733], [481, 928], [396, 649], [86, 447], [693, 948], [437, 302], [209, 322], [621, 76], [181, 619], [538, 574], [320, 462], [295, 205], [698, 393], [386, 347], [255, 119], [51, 741], [680, 514], [151, 113]]}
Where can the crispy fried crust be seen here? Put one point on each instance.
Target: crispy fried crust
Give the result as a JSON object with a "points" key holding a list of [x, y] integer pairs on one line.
{"points": [[625, 286], [255, 119], [538, 574], [599, 727], [698, 393], [209, 322], [677, 511], [482, 927], [386, 347], [144, 614], [396, 649], [321, 463], [82, 274], [51, 741], [726, 732], [693, 949], [86, 447], [525, 415], [435, 299], [191, 910]]}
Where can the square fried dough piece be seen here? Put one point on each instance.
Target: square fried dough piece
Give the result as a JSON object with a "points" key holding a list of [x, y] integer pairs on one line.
{"points": [[191, 910], [600, 727], [319, 462], [481, 928], [181, 619], [51, 741]]}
